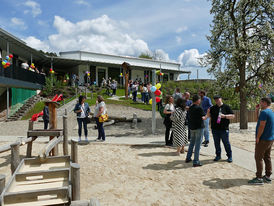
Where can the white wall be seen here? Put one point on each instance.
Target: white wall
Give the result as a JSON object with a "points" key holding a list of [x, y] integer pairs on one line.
{"points": [[81, 72], [137, 74]]}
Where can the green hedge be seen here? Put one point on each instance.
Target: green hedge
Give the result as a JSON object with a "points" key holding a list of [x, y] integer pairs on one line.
{"points": [[229, 95]]}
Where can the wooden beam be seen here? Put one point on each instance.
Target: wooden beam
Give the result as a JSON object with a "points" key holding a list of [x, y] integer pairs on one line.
{"points": [[15, 156], [65, 135], [2, 182], [75, 181], [48, 148], [74, 151]]}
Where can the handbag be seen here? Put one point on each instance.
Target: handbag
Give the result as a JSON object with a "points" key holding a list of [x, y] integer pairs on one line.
{"points": [[88, 120], [103, 118]]}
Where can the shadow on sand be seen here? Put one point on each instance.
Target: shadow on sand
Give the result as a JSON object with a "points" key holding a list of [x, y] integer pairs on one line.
{"points": [[218, 183], [175, 165]]}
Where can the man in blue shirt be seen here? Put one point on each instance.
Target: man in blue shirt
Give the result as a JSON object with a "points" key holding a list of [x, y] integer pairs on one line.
{"points": [[206, 104], [264, 141]]}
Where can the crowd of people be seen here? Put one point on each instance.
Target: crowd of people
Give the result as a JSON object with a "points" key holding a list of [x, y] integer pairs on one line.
{"points": [[188, 121]]}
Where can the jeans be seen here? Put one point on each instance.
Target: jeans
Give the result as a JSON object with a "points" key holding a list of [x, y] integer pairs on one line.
{"points": [[262, 152], [134, 95], [223, 135], [195, 141], [206, 129], [46, 123], [146, 97], [143, 96], [80, 121], [168, 139], [101, 131]]}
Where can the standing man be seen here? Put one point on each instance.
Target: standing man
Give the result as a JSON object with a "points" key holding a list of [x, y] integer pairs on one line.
{"points": [[188, 104], [220, 115], [264, 141], [196, 126], [206, 104]]}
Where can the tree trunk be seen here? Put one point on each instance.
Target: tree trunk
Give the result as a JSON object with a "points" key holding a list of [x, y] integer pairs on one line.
{"points": [[243, 99]]}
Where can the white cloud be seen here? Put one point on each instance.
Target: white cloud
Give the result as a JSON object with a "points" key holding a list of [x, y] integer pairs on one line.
{"points": [[190, 58], [161, 55], [178, 39], [36, 43], [16, 22], [34, 6], [181, 29], [82, 2], [101, 35]]}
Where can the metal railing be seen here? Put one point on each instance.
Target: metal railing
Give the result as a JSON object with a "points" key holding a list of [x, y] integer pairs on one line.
{"points": [[18, 73]]}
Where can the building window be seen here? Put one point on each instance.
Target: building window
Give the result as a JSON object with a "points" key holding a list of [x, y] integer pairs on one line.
{"points": [[171, 76]]}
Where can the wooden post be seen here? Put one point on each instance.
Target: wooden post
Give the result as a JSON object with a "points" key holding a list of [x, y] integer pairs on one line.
{"points": [[65, 135], [134, 121], [53, 123], [31, 125], [15, 156], [126, 72], [75, 181], [74, 151], [2, 182], [66, 112], [29, 146]]}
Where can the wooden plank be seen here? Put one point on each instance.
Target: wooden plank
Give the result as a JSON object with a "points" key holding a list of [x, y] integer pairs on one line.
{"points": [[15, 156], [46, 150], [7, 147], [65, 134], [45, 173], [45, 133], [33, 196]]}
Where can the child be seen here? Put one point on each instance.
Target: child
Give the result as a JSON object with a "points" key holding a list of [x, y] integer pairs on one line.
{"points": [[46, 115]]}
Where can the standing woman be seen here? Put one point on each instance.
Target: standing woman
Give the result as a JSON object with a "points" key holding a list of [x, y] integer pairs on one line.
{"points": [[169, 109], [179, 126], [100, 109], [82, 110]]}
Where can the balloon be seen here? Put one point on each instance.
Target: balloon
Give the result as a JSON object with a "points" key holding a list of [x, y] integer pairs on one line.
{"points": [[7, 57], [3, 63], [94, 83], [158, 86], [153, 89], [88, 74], [150, 101], [50, 69], [158, 99], [11, 56], [158, 72], [7, 64], [158, 92]]}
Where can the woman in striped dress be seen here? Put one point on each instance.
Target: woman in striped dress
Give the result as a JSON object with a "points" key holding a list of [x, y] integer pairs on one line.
{"points": [[179, 126]]}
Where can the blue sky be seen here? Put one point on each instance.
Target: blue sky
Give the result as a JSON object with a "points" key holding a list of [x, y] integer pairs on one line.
{"points": [[174, 30]]}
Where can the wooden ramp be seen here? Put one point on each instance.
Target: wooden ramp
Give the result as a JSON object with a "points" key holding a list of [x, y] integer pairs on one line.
{"points": [[39, 183]]}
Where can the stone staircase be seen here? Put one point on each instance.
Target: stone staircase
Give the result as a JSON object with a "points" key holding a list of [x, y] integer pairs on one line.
{"points": [[25, 108]]}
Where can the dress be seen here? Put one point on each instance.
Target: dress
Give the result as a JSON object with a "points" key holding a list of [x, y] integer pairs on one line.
{"points": [[179, 128]]}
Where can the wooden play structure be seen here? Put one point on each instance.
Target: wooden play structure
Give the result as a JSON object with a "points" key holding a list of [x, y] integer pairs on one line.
{"points": [[47, 179]]}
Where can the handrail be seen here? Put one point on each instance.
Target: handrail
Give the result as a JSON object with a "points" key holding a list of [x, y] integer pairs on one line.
{"points": [[18, 73]]}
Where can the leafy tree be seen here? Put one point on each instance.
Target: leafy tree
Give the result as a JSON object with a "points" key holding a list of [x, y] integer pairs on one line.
{"points": [[145, 56], [241, 53]]}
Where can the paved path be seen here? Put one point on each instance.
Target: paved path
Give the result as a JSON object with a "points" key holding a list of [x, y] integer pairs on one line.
{"points": [[241, 157]]}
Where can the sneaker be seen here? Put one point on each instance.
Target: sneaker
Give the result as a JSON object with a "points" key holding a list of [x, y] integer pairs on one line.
{"points": [[217, 158], [205, 142], [188, 160], [267, 179], [98, 139], [86, 139], [206, 145], [79, 139], [229, 160], [256, 181], [197, 165]]}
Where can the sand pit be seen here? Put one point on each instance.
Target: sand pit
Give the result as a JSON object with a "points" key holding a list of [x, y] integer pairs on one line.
{"points": [[153, 175]]}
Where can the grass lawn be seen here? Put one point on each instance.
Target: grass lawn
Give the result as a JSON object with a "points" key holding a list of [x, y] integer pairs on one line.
{"points": [[124, 102], [38, 107]]}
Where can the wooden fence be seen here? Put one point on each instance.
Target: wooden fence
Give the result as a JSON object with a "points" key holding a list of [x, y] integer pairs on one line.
{"points": [[250, 114]]}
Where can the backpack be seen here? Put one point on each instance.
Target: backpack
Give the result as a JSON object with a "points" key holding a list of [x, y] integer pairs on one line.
{"points": [[161, 111]]}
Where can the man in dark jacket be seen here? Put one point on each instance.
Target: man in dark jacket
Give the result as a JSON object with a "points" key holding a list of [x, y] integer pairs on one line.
{"points": [[46, 115], [196, 126]]}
